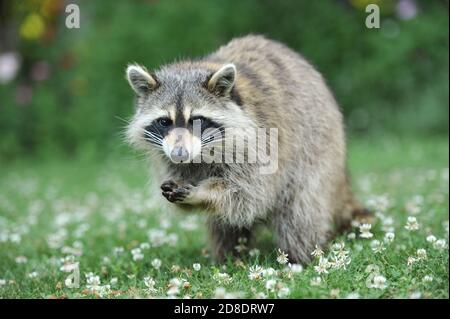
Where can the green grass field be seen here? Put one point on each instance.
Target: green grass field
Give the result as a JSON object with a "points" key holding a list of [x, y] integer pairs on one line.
{"points": [[98, 217]]}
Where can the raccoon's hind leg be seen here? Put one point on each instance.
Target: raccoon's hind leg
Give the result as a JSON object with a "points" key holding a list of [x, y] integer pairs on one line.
{"points": [[224, 238], [300, 225]]}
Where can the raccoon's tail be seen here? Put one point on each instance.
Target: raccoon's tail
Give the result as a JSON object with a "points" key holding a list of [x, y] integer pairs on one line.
{"points": [[352, 210]]}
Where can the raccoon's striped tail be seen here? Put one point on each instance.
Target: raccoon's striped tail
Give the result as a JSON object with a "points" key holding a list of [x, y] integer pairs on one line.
{"points": [[363, 215], [359, 213], [352, 210]]}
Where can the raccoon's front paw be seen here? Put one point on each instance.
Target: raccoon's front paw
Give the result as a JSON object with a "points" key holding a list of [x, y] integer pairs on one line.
{"points": [[174, 192]]}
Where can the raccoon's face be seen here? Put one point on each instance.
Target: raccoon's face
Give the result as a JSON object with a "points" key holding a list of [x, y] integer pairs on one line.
{"points": [[182, 109]]}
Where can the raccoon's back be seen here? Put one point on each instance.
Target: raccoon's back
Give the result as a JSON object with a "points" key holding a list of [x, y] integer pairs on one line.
{"points": [[271, 75], [279, 88]]}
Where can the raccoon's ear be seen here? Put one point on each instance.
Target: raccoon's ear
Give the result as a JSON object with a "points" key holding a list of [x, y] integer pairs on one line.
{"points": [[222, 81], [140, 80]]}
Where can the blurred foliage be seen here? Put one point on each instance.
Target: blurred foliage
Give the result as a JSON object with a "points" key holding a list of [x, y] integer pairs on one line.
{"points": [[393, 79]]}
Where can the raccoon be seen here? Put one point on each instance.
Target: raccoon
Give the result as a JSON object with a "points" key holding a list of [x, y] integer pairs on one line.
{"points": [[250, 83]]}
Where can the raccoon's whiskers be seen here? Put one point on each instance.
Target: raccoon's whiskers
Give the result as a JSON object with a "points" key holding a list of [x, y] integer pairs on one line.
{"points": [[153, 138], [152, 135], [122, 119], [213, 133]]}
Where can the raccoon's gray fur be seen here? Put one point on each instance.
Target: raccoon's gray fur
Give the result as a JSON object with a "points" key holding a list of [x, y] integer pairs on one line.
{"points": [[251, 82]]}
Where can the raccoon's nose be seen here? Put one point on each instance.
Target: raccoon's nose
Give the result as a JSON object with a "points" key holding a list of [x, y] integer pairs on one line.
{"points": [[179, 154]]}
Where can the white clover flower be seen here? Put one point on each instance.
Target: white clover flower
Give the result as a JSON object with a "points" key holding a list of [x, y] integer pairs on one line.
{"points": [[388, 229], [339, 256], [2, 282], [353, 295], [3, 237], [431, 239], [283, 292], [269, 272], [351, 236], [21, 259], [242, 245], [93, 282], [104, 290], [338, 246], [427, 278], [338, 251], [334, 293], [165, 223], [68, 282], [222, 278], [89, 275], [411, 261], [255, 272], [254, 252], [415, 295], [372, 268], [282, 257], [114, 281], [445, 175], [379, 282], [377, 246], [33, 274], [445, 225], [197, 266], [270, 284], [137, 254], [156, 263], [414, 206], [340, 261], [316, 281], [260, 295], [144, 246], [440, 244], [175, 268], [157, 237], [150, 283], [69, 267], [172, 239], [379, 203], [173, 291], [56, 240], [421, 254], [142, 223], [318, 252], [323, 266], [389, 237], [296, 268], [190, 223], [173, 287], [118, 250], [387, 223], [76, 250], [365, 231], [15, 238], [175, 282], [412, 224], [355, 223], [220, 293]]}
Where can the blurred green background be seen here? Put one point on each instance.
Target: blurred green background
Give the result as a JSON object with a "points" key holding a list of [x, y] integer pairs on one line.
{"points": [[62, 91]]}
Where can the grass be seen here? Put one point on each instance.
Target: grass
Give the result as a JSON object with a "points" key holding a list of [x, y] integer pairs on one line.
{"points": [[87, 209]]}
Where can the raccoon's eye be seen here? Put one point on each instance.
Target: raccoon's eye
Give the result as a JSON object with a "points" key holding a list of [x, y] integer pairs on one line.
{"points": [[164, 121]]}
